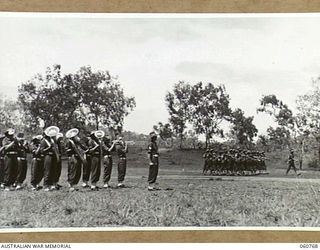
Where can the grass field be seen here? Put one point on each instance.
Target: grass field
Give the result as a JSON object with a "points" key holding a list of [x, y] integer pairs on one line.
{"points": [[187, 199]]}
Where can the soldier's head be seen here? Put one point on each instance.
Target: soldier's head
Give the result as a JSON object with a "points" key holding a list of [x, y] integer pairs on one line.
{"points": [[20, 137], [9, 133], [153, 136], [59, 137], [106, 139]]}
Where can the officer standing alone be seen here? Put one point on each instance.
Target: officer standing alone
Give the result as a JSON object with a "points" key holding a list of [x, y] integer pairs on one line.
{"points": [[291, 164], [121, 149], [153, 153]]}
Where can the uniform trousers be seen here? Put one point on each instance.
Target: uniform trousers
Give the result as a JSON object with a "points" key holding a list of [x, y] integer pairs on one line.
{"points": [[10, 169], [1, 170], [74, 169], [22, 170], [153, 170], [122, 167], [57, 171], [86, 168], [107, 164], [291, 165], [95, 169], [49, 166], [36, 171]]}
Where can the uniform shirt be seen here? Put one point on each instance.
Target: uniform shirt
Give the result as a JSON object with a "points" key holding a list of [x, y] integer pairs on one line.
{"points": [[71, 147], [153, 148], [94, 147], [106, 148], [121, 149], [291, 159], [11, 149], [47, 146], [23, 149], [35, 150], [1, 148]]}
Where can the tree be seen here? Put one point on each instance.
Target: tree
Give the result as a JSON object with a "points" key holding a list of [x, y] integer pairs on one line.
{"points": [[51, 98], [243, 128], [282, 115], [10, 115], [178, 102], [279, 136], [308, 116], [271, 105], [84, 99], [103, 102], [209, 106], [165, 132]]}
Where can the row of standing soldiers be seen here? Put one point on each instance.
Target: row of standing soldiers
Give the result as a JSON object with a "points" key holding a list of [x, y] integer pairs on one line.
{"points": [[233, 162], [85, 157]]}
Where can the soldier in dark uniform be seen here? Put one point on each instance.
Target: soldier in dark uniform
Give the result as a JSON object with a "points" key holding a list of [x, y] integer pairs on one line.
{"points": [[95, 150], [121, 150], [1, 161], [37, 163], [107, 160], [11, 147], [75, 158], [23, 149], [58, 166], [153, 153], [49, 149], [291, 164], [86, 166]]}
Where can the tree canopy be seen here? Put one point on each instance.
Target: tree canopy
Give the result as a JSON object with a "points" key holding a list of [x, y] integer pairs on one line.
{"points": [[83, 99]]}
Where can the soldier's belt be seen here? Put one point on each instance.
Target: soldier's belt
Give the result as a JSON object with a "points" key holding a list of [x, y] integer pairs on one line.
{"points": [[49, 153], [122, 158], [76, 156], [155, 155], [109, 156], [37, 159], [12, 153], [21, 158]]}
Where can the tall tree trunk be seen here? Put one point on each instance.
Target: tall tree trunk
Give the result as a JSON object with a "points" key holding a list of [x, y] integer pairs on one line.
{"points": [[207, 140]]}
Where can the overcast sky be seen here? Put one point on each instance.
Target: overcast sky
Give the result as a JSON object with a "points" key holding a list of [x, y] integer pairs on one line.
{"points": [[251, 56]]}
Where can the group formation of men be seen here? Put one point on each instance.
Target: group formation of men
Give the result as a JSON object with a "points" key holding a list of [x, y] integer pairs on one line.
{"points": [[233, 162], [85, 157]]}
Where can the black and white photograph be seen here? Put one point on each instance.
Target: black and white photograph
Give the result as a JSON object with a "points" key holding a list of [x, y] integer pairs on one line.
{"points": [[159, 121]]}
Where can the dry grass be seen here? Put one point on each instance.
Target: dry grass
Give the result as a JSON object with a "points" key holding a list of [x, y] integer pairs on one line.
{"points": [[182, 202]]}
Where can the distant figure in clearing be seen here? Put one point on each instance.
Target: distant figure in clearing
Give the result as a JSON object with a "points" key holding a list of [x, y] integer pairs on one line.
{"points": [[291, 163], [153, 162]]}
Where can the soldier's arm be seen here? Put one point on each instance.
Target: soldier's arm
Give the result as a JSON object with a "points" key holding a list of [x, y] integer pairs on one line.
{"points": [[93, 146], [44, 147], [7, 144], [150, 153]]}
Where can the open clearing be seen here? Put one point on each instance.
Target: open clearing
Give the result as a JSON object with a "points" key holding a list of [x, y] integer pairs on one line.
{"points": [[187, 198]]}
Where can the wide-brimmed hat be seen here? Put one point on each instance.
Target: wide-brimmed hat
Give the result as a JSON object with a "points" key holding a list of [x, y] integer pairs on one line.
{"points": [[99, 134], [51, 131], [72, 133], [10, 131]]}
